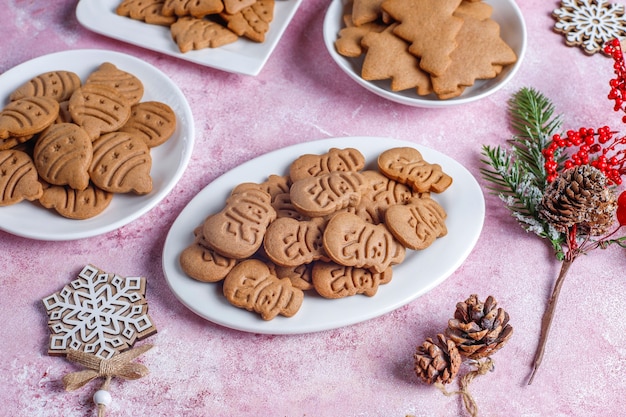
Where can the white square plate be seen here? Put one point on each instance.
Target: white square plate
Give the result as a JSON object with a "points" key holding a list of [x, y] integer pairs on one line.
{"points": [[242, 57]]}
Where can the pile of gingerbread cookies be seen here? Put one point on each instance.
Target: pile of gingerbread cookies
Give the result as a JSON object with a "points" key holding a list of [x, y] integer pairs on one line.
{"points": [[70, 144], [204, 23], [329, 226], [438, 47]]}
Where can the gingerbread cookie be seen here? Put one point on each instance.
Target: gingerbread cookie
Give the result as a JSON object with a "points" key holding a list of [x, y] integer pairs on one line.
{"points": [[76, 204], [480, 54], [327, 193], [149, 11], [18, 178], [299, 275], [365, 11], [348, 41], [27, 116], [63, 154], [284, 208], [418, 223], [430, 27], [407, 166], [351, 241], [58, 85], [125, 83], [252, 22], [99, 109], [202, 263], [191, 33], [237, 231], [235, 6], [252, 286], [289, 242], [332, 280], [335, 159], [196, 8], [152, 121], [121, 164], [387, 57]]}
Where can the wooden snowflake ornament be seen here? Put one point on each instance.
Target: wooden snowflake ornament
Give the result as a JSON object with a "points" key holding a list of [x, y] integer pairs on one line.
{"points": [[98, 313], [94, 321], [590, 24]]}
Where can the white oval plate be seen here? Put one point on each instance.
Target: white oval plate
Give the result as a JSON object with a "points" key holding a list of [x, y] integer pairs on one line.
{"points": [[242, 57], [168, 160], [513, 32], [418, 274]]}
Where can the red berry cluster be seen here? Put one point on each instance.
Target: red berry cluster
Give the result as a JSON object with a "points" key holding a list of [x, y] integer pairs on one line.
{"points": [[618, 84], [597, 148]]}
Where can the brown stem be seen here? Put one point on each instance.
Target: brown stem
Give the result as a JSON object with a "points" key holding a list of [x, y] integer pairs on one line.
{"points": [[548, 315]]}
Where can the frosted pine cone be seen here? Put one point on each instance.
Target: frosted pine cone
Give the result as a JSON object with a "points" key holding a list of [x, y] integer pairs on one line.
{"points": [[579, 196], [437, 361], [479, 329]]}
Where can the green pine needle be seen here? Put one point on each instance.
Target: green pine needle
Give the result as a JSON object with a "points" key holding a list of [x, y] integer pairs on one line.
{"points": [[517, 175]]}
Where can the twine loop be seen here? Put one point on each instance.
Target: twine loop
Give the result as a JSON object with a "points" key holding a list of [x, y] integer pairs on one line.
{"points": [[482, 367]]}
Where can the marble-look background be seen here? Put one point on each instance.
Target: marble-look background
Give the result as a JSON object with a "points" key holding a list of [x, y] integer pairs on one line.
{"points": [[201, 369]]}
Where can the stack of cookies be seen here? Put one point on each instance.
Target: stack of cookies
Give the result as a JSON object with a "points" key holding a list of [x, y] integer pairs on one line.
{"points": [[329, 227], [204, 23], [70, 145], [431, 46]]}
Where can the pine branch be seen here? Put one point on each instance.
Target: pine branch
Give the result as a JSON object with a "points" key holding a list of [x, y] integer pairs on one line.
{"points": [[533, 120], [518, 176]]}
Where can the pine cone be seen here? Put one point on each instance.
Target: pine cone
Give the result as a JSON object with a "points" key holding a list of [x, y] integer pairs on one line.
{"points": [[479, 329], [437, 361], [579, 196]]}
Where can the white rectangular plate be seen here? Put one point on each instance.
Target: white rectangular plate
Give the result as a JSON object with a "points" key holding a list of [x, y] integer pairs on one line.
{"points": [[242, 57]]}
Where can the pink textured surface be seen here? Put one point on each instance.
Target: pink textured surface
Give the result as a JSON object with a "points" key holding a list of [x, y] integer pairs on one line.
{"points": [[201, 369]]}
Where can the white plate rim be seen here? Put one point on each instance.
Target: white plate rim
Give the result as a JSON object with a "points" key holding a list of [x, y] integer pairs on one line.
{"points": [[182, 141], [241, 57], [332, 24], [205, 299]]}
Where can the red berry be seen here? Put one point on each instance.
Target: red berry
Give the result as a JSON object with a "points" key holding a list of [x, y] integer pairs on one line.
{"points": [[621, 209]]}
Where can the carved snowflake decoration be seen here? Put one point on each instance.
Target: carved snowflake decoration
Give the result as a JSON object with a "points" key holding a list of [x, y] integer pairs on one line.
{"points": [[590, 23], [98, 313]]}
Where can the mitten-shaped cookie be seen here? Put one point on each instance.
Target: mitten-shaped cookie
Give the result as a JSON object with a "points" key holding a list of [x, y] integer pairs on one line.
{"points": [[127, 84], [418, 223], [407, 166], [76, 204], [18, 178], [99, 109], [63, 154], [27, 116], [327, 193], [58, 85], [152, 121], [351, 241], [237, 231], [332, 280], [121, 164], [252, 286]]}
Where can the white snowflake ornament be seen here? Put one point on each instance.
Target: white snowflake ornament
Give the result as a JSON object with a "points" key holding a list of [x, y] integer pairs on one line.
{"points": [[590, 24], [98, 313]]}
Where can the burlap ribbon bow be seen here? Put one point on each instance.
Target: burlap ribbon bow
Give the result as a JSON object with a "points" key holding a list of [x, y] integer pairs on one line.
{"points": [[119, 365]]}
